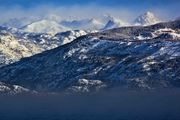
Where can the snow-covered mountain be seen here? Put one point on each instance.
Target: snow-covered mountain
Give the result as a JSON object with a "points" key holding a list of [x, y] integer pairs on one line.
{"points": [[108, 59], [15, 45], [45, 26], [51, 25], [147, 18]]}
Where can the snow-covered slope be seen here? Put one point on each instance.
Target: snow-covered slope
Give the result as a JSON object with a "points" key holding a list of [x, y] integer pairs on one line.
{"points": [[48, 41], [147, 18], [45, 26], [11, 49], [113, 58]]}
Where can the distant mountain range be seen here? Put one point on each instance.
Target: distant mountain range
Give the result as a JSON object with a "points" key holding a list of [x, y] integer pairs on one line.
{"points": [[54, 24]]}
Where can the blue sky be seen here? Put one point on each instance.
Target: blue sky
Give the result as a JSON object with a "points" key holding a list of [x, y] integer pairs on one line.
{"points": [[110, 3], [128, 9]]}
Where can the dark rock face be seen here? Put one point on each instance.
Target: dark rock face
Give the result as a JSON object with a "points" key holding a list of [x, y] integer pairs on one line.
{"points": [[110, 58]]}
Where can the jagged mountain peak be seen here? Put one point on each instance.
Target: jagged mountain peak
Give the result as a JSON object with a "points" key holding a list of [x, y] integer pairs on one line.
{"points": [[147, 18]]}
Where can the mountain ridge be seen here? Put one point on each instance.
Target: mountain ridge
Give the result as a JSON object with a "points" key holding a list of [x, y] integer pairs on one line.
{"points": [[99, 61]]}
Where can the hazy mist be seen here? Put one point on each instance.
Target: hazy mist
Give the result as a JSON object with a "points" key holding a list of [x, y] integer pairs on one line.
{"points": [[82, 11]]}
